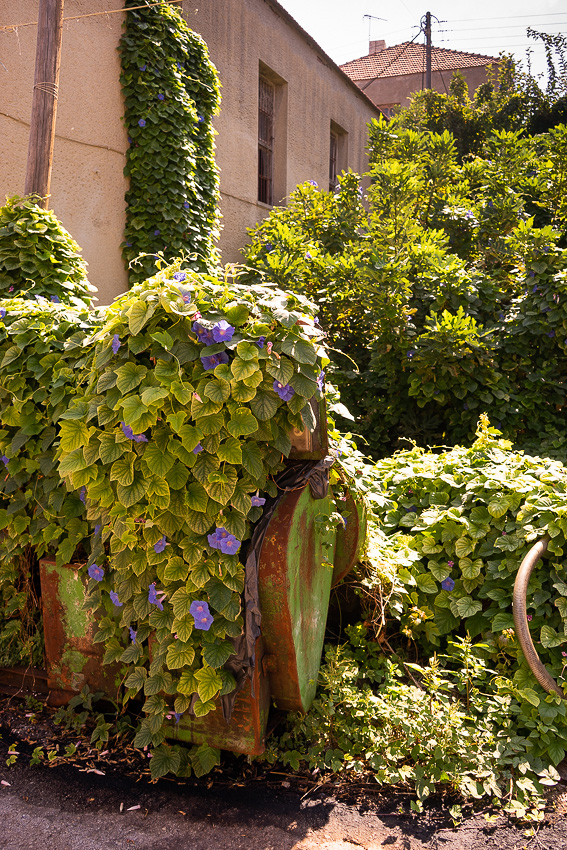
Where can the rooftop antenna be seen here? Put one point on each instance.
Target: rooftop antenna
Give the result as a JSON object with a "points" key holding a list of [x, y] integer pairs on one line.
{"points": [[370, 19]]}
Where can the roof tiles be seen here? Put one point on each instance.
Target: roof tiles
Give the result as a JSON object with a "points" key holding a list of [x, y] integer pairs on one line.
{"points": [[409, 58]]}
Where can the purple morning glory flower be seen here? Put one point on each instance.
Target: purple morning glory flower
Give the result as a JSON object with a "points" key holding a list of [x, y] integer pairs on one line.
{"points": [[143, 67], [157, 232], [257, 501], [140, 438], [203, 335], [96, 572], [161, 96], [97, 529], [11, 288], [534, 287], [411, 352], [115, 343], [4, 460], [152, 594], [186, 205], [285, 392], [448, 584], [2, 313], [160, 545], [260, 341], [198, 448], [55, 299], [132, 634], [201, 615], [177, 715], [127, 431], [313, 183], [115, 600], [320, 381], [215, 538], [229, 545], [551, 334], [142, 122], [83, 495], [201, 119], [128, 244], [179, 276], [214, 360], [308, 256], [222, 331]]}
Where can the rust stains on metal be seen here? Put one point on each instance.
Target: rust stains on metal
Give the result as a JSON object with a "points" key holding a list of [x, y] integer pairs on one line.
{"points": [[73, 659]]}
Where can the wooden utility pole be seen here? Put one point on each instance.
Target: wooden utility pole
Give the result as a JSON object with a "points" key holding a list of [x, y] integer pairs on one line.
{"points": [[44, 103], [428, 50]]}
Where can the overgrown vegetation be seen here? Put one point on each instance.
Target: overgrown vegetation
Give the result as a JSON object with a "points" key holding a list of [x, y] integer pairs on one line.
{"points": [[171, 92], [446, 297], [432, 688]]}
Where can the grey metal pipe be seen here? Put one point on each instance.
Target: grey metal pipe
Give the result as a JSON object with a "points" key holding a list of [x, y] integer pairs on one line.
{"points": [[519, 605]]}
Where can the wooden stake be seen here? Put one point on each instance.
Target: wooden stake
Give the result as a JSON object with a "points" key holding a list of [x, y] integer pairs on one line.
{"points": [[44, 104]]}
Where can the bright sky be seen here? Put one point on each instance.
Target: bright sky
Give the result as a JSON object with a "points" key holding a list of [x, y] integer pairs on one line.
{"points": [[480, 26]]}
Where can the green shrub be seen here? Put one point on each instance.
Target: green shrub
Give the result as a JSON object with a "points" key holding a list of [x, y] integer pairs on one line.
{"points": [[38, 258], [447, 296], [42, 360]]}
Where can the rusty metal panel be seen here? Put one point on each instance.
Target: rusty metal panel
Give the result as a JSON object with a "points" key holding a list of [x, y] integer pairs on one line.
{"points": [[350, 538], [73, 660], [246, 730], [294, 588]]}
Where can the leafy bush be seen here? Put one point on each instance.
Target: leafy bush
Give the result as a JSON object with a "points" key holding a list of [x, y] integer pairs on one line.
{"points": [[43, 359], [448, 293], [38, 257], [196, 384], [447, 534], [171, 92], [447, 729]]}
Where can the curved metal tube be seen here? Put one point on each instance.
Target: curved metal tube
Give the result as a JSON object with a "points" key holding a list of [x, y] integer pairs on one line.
{"points": [[519, 604]]}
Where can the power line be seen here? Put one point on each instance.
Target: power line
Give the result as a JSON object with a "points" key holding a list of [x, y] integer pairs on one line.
{"points": [[506, 17], [504, 27]]}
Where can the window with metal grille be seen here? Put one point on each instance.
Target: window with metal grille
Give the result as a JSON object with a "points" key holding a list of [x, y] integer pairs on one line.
{"points": [[266, 97], [333, 155]]}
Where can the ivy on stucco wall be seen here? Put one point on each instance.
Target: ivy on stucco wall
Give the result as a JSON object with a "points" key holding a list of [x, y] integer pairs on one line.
{"points": [[171, 91]]}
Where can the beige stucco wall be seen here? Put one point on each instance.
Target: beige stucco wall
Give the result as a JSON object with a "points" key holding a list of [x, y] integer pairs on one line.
{"points": [[87, 185], [385, 91], [87, 188], [241, 35]]}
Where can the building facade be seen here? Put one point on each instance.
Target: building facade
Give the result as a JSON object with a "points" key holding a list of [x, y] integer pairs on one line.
{"points": [[288, 114], [390, 75]]}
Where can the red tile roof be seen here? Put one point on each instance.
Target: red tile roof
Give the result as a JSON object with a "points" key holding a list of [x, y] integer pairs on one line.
{"points": [[409, 58]]}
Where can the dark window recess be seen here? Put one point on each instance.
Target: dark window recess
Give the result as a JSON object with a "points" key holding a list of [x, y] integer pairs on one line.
{"points": [[333, 161], [266, 141]]}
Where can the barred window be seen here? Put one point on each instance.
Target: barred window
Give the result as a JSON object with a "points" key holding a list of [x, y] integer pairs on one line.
{"points": [[333, 161], [266, 98]]}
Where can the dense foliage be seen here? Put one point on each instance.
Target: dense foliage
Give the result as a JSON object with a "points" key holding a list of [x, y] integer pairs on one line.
{"points": [[171, 93], [196, 384], [38, 257], [447, 294], [510, 99], [42, 359], [448, 533]]}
